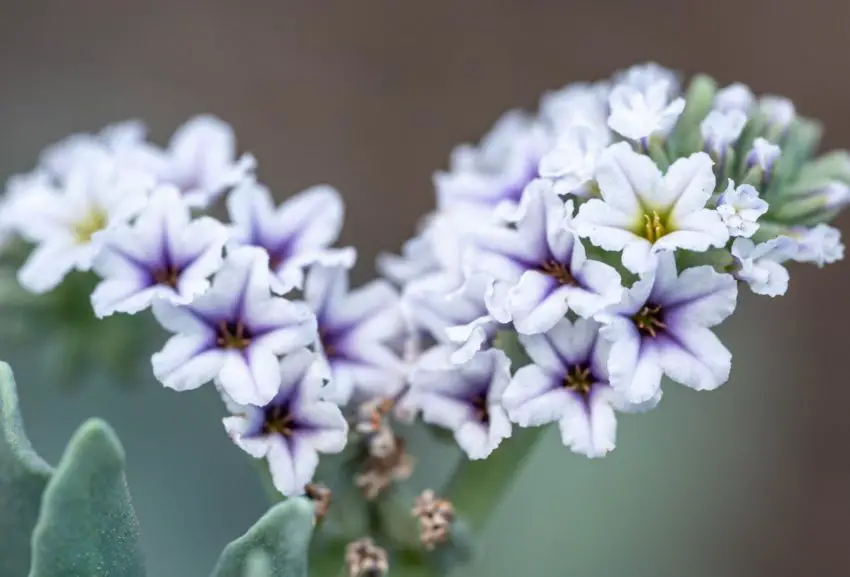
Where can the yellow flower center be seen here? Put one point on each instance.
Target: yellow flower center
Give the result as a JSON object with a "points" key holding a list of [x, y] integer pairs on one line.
{"points": [[653, 227], [578, 380], [95, 221]]}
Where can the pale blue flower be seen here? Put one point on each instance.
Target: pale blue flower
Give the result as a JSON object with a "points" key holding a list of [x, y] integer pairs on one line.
{"points": [[820, 245], [740, 207], [760, 265]]}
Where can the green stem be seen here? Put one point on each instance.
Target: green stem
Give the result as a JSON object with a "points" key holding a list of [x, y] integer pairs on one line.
{"points": [[477, 487]]}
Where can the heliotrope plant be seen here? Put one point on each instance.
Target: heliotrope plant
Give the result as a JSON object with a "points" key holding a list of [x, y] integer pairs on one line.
{"points": [[576, 256]]}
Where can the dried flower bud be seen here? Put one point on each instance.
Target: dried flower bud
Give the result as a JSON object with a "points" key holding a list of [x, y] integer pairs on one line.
{"points": [[435, 518], [380, 472], [321, 497], [370, 415], [365, 559]]}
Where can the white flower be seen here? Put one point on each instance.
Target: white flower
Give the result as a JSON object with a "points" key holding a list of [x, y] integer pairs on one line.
{"points": [[164, 255], [638, 114], [18, 187], [740, 208], [734, 97], [357, 330], [416, 260], [820, 245], [296, 234], [292, 428], [492, 176], [763, 154], [643, 76], [568, 382], [67, 224], [642, 212], [571, 164], [721, 129], [234, 333], [200, 160], [466, 399], [539, 269], [662, 327], [778, 110], [585, 104], [760, 266]]}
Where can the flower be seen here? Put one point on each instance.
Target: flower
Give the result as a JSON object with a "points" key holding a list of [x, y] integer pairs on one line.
{"points": [[820, 245], [200, 160], [763, 154], [778, 110], [662, 326], [68, 223], [643, 213], [760, 266], [293, 427], [295, 234], [18, 188], [736, 96], [356, 331], [164, 255], [648, 74], [638, 114], [740, 208], [568, 382], [492, 176], [585, 104], [720, 130], [466, 399], [571, 164], [539, 270], [233, 333]]}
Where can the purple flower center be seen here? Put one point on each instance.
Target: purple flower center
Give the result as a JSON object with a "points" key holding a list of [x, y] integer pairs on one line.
{"points": [[328, 340], [649, 320], [233, 335], [558, 271], [278, 420], [579, 380], [479, 406]]}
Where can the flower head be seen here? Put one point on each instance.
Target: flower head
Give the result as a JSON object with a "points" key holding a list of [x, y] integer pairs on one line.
{"points": [[165, 254], [639, 113], [68, 223], [200, 160], [643, 212], [293, 427], [568, 383], [740, 208], [233, 333], [466, 399], [296, 234], [357, 331], [760, 265], [662, 327], [820, 245]]}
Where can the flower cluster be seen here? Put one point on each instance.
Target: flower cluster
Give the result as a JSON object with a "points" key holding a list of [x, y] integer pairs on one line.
{"points": [[606, 234], [576, 256]]}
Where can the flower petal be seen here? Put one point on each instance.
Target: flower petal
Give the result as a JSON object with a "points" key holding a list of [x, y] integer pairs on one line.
{"points": [[695, 357], [187, 361], [689, 183], [535, 397]]}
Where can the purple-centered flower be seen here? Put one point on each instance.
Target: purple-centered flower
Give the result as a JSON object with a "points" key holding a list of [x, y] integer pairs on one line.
{"points": [[233, 333], [539, 269], [295, 234], [292, 428], [165, 254], [466, 399], [490, 177], [568, 383], [662, 327], [357, 332]]}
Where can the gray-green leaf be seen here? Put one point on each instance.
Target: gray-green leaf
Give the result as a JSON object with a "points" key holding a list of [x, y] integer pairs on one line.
{"points": [[283, 533], [87, 526], [23, 476]]}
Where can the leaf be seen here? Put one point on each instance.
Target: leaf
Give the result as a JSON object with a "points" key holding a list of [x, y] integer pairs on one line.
{"points": [[87, 526], [686, 137], [23, 476], [283, 533], [258, 564]]}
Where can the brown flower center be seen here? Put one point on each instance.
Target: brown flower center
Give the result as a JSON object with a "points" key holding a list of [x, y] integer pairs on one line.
{"points": [[233, 335], [648, 320], [558, 271], [578, 380]]}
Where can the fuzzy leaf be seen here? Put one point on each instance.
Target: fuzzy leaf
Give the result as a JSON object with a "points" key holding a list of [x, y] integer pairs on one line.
{"points": [[23, 476], [283, 533], [87, 526], [258, 564]]}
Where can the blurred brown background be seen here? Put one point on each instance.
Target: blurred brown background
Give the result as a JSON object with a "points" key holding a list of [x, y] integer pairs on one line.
{"points": [[370, 96]]}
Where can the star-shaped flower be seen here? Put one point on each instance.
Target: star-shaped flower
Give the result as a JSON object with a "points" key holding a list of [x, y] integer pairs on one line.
{"points": [[760, 265], [643, 212], [740, 208], [571, 164], [292, 428], [539, 269], [165, 254], [662, 327], [233, 333], [296, 234], [358, 331], [67, 223], [200, 160], [568, 383], [492, 176], [639, 114], [466, 399]]}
